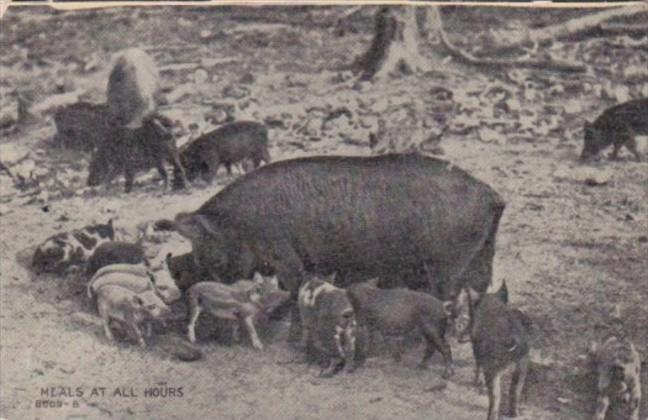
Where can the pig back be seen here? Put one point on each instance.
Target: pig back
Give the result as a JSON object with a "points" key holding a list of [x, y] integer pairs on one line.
{"points": [[130, 277], [373, 215]]}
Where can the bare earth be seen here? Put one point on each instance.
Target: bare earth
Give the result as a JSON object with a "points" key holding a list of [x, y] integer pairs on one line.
{"points": [[566, 249]]}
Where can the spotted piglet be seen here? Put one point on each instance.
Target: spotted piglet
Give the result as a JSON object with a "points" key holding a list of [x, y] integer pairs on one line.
{"points": [[67, 250], [328, 323]]}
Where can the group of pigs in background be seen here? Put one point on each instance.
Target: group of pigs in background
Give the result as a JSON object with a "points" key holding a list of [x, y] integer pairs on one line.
{"points": [[127, 135], [343, 240]]}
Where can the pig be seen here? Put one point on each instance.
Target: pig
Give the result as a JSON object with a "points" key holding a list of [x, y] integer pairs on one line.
{"points": [[70, 250], [115, 252], [132, 85], [130, 308], [82, 125], [500, 338], [617, 126], [136, 278], [328, 323], [229, 144], [618, 367], [397, 312], [240, 302], [136, 150], [362, 217]]}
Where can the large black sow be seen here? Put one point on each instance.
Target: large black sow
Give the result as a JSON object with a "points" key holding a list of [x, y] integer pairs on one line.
{"points": [[361, 217]]}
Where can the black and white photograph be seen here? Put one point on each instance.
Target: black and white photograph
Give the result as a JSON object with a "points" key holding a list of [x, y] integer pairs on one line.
{"points": [[310, 211]]}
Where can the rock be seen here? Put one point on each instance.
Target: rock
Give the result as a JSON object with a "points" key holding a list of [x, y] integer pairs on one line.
{"points": [[488, 135], [296, 80], [200, 76], [180, 348], [247, 79], [180, 92], [217, 117], [236, 91]]}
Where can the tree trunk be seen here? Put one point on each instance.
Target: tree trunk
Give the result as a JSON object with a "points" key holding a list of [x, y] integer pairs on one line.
{"points": [[395, 46]]}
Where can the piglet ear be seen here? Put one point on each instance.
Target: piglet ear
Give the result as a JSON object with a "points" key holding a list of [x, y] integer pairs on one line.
{"points": [[373, 282], [257, 278], [138, 300], [194, 226]]}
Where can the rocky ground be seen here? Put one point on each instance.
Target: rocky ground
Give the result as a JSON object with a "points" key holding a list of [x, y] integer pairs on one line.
{"points": [[573, 240]]}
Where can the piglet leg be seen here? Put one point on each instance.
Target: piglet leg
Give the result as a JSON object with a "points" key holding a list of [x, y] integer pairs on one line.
{"points": [[249, 324]]}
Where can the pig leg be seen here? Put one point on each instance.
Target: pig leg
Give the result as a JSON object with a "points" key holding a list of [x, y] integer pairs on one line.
{"points": [[615, 151], [179, 174], [236, 336], [209, 173], [191, 328], [256, 343], [138, 333], [634, 387], [109, 335], [396, 347], [129, 175], [289, 268], [335, 364], [602, 405], [435, 340], [631, 145], [163, 174], [349, 349], [493, 383], [477, 376], [517, 384]]}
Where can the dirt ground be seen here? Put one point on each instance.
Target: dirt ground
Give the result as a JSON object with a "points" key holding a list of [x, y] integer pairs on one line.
{"points": [[567, 247]]}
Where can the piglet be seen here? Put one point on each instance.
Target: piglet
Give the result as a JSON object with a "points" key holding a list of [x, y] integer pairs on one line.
{"points": [[239, 302], [499, 336], [129, 308], [328, 323], [397, 312]]}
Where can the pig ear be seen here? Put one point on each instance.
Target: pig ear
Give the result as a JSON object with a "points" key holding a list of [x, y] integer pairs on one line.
{"points": [[110, 223], [586, 125], [168, 257], [502, 293], [257, 278], [473, 294], [331, 278], [194, 226], [138, 300]]}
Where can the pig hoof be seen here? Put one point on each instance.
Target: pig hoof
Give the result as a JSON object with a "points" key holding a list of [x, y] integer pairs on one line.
{"points": [[447, 374], [422, 366], [142, 344]]}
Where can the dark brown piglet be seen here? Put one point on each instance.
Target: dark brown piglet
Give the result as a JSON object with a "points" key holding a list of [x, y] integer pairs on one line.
{"points": [[115, 252], [137, 150], [617, 126], [397, 312], [499, 336], [227, 145]]}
